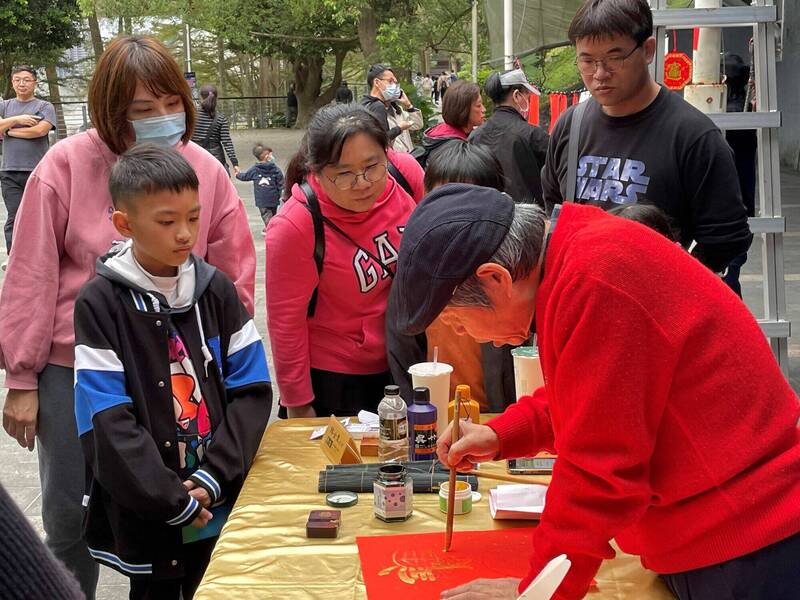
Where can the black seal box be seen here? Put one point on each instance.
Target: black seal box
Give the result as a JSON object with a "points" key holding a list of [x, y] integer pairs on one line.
{"points": [[323, 523]]}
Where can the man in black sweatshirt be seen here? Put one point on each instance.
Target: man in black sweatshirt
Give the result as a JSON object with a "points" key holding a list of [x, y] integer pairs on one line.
{"points": [[638, 142]]}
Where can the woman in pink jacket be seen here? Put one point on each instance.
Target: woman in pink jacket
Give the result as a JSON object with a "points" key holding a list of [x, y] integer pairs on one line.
{"points": [[137, 94], [326, 325]]}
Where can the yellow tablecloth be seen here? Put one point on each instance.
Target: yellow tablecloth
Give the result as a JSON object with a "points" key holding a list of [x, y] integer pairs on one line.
{"points": [[263, 551]]}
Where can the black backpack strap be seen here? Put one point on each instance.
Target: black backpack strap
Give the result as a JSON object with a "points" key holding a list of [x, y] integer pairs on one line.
{"points": [[572, 150], [399, 178], [319, 237]]}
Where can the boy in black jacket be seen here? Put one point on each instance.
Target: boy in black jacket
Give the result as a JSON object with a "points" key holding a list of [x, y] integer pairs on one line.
{"points": [[172, 390], [267, 181]]}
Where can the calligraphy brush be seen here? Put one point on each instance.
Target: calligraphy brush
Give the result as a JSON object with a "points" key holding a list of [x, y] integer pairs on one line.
{"points": [[451, 495]]}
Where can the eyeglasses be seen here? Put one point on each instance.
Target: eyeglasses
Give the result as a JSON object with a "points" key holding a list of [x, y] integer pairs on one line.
{"points": [[392, 80], [347, 181], [611, 64], [18, 80]]}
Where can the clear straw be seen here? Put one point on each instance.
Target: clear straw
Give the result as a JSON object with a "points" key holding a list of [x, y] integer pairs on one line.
{"points": [[435, 358]]}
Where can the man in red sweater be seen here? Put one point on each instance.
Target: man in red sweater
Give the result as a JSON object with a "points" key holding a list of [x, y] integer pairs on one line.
{"points": [[675, 429]]}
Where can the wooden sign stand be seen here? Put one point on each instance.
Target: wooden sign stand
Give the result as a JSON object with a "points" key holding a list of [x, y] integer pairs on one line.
{"points": [[338, 445]]}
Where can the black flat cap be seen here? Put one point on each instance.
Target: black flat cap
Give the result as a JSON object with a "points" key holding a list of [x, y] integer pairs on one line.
{"points": [[455, 229]]}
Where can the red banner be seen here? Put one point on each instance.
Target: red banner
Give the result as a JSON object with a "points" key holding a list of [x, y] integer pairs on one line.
{"points": [[533, 113]]}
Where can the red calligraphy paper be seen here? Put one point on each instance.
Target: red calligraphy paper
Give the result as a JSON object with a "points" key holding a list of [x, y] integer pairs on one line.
{"points": [[416, 566]]}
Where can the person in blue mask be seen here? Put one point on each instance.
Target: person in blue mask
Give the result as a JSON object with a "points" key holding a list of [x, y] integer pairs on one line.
{"points": [[384, 90], [137, 94]]}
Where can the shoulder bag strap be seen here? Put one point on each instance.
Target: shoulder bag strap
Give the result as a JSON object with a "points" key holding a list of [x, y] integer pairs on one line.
{"points": [[207, 138], [399, 178], [572, 151], [346, 236], [312, 204]]}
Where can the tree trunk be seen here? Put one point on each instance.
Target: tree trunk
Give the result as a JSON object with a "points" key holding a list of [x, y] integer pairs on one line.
{"points": [[6, 89], [128, 22], [120, 26], [423, 62], [248, 88], [96, 36], [368, 34], [267, 87], [270, 76], [263, 75], [327, 96], [221, 65], [307, 84], [55, 99]]}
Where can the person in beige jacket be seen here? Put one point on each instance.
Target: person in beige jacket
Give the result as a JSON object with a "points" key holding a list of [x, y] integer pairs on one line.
{"points": [[401, 111]]}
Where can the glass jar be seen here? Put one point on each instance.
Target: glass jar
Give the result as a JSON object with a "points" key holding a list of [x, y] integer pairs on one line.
{"points": [[394, 494]]}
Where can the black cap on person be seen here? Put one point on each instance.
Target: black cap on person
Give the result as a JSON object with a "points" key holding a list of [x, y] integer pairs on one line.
{"points": [[455, 229]]}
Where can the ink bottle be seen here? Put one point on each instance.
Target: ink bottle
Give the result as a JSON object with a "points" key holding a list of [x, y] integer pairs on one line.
{"points": [[394, 494]]}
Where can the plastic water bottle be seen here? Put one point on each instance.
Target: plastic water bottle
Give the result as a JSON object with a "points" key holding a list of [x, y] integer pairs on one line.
{"points": [[393, 416]]}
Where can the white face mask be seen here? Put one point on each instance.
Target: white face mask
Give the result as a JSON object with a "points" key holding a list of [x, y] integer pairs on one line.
{"points": [[523, 111], [392, 92], [166, 129]]}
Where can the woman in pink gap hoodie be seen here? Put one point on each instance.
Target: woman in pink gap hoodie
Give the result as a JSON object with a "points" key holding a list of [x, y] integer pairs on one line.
{"points": [[64, 224], [334, 361]]}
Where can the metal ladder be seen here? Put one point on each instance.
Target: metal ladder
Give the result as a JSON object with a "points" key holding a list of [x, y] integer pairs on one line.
{"points": [[763, 17]]}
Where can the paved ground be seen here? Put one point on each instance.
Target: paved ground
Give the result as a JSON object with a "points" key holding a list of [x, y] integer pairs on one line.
{"points": [[19, 471]]}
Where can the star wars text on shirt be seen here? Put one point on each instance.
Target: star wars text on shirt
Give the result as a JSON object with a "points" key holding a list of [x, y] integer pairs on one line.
{"points": [[606, 178]]}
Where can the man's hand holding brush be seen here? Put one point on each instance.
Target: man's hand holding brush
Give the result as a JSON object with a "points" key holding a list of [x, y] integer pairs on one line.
{"points": [[476, 444]]}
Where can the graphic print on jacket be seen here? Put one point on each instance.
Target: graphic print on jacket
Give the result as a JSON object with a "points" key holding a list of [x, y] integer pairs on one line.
{"points": [[164, 393], [606, 178], [365, 267], [191, 411]]}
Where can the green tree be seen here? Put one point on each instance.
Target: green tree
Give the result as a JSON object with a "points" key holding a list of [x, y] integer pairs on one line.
{"points": [[35, 32], [304, 32], [238, 43], [429, 27]]}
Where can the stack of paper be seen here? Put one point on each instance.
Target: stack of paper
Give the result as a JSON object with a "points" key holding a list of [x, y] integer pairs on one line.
{"points": [[366, 427], [517, 501]]}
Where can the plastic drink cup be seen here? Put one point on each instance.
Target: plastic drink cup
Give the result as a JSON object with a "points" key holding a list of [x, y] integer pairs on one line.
{"points": [[527, 370], [435, 377]]}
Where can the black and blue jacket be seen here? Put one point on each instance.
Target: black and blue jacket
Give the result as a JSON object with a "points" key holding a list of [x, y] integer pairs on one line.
{"points": [[137, 504], [267, 181]]}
